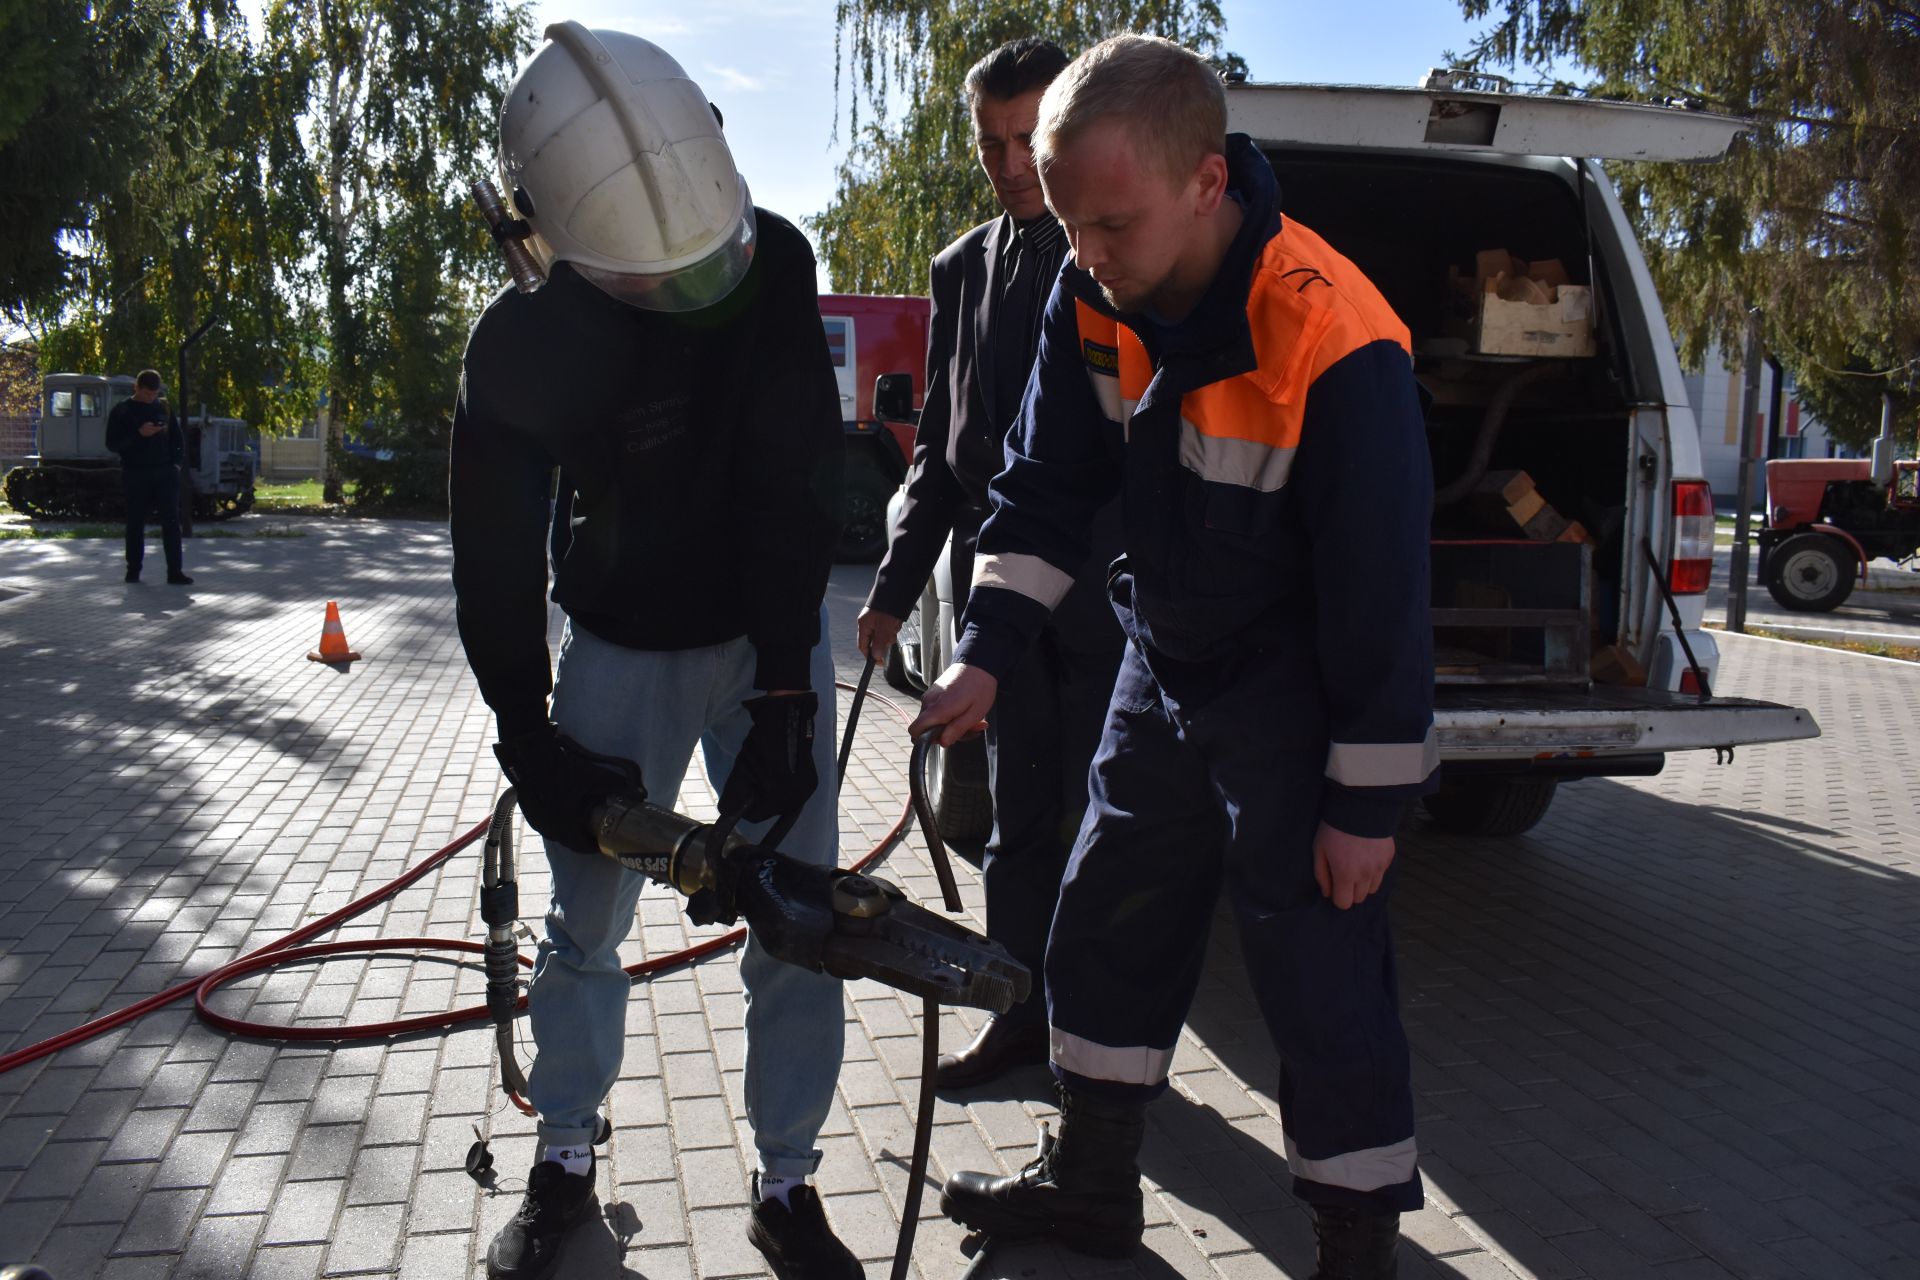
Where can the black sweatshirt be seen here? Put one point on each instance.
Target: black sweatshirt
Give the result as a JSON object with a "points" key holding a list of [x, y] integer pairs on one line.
{"points": [[138, 452], [700, 458]]}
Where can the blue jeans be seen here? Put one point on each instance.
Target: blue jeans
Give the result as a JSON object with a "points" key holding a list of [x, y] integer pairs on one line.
{"points": [[652, 707]]}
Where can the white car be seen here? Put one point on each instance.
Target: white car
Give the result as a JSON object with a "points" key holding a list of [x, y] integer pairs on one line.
{"points": [[1569, 644]]}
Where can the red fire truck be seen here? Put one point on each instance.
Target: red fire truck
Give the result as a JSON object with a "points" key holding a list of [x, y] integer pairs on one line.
{"points": [[871, 334]]}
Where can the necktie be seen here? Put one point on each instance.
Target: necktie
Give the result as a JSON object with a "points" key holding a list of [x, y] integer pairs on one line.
{"points": [[1013, 328]]}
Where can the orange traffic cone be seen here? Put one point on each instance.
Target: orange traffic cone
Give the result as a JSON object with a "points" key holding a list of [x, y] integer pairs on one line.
{"points": [[333, 640]]}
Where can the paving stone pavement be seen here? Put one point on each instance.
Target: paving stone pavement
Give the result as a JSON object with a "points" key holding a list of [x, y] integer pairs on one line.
{"points": [[1671, 1033]]}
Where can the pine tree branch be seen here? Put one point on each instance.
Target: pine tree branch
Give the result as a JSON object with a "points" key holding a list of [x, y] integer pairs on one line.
{"points": [[1828, 215]]}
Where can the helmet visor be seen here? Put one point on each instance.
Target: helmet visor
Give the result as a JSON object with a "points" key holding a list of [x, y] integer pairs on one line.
{"points": [[689, 288]]}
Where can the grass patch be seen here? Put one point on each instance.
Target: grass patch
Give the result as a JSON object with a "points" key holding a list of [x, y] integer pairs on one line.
{"points": [[297, 497], [1872, 648]]}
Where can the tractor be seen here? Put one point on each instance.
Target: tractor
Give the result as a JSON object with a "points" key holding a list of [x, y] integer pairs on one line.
{"points": [[1828, 517], [75, 476]]}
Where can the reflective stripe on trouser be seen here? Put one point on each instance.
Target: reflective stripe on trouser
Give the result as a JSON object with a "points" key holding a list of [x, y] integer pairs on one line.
{"points": [[1225, 790], [654, 708]]}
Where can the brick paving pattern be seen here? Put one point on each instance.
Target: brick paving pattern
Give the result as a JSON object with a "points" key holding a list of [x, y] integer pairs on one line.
{"points": [[1672, 1032]]}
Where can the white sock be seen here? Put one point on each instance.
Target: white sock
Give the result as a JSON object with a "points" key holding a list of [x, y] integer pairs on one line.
{"points": [[769, 1186], [576, 1159]]}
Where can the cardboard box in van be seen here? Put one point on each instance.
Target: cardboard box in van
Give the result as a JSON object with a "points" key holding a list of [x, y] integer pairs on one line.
{"points": [[1529, 309], [1562, 326]]}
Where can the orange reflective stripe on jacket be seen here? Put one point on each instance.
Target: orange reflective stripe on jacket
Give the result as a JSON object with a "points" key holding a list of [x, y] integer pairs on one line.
{"points": [[1307, 307]]}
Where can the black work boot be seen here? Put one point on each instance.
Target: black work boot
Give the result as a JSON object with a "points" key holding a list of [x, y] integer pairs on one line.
{"points": [[528, 1248], [1355, 1244], [796, 1240], [1082, 1189]]}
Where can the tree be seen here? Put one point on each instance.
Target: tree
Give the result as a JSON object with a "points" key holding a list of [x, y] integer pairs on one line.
{"points": [[19, 381], [78, 98], [183, 236], [908, 187], [381, 112], [1814, 218]]}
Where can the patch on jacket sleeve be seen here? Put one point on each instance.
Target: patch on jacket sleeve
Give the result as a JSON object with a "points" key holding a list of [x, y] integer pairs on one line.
{"points": [[1101, 356]]}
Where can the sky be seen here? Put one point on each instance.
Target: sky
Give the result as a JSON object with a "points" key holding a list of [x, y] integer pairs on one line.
{"points": [[769, 65]]}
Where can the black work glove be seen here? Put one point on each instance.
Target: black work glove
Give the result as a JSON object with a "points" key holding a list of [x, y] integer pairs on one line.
{"points": [[774, 773], [557, 782]]}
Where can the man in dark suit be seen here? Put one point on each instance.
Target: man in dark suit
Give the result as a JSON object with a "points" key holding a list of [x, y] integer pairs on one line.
{"points": [[990, 290], [151, 445]]}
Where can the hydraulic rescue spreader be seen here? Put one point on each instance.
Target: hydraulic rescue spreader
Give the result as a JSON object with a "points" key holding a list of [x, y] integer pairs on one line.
{"points": [[823, 919]]}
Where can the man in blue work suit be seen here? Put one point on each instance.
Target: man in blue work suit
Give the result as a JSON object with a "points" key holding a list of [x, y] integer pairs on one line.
{"points": [[1250, 395]]}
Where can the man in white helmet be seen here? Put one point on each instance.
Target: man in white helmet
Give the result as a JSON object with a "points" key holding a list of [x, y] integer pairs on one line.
{"points": [[674, 369]]}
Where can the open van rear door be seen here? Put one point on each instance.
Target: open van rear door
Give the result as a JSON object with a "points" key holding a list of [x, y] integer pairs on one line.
{"points": [[1443, 118]]}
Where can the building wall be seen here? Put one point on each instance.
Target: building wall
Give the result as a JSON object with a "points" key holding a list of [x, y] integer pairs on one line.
{"points": [[16, 439], [291, 458], [1716, 392]]}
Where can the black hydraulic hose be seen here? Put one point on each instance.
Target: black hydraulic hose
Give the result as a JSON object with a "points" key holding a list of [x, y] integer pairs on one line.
{"points": [[923, 810], [500, 911], [922, 1136], [853, 718]]}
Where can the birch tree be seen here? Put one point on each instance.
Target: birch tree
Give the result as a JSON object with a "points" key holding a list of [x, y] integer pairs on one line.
{"points": [[910, 182], [381, 112]]}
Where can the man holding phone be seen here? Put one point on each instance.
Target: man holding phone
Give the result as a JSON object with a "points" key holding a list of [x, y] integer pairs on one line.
{"points": [[151, 445]]}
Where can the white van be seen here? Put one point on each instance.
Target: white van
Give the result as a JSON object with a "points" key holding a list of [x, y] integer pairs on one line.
{"points": [[1569, 644]]}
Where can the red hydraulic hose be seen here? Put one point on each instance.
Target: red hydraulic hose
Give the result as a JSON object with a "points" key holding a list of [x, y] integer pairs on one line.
{"points": [[290, 950]]}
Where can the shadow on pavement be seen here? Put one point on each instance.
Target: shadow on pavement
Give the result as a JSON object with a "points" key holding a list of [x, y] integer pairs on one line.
{"points": [[1646, 1031]]}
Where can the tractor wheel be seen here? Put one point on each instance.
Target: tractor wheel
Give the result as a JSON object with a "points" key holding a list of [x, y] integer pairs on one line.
{"points": [[1490, 806], [1811, 573]]}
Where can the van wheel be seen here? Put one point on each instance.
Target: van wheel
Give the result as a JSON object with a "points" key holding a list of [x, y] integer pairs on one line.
{"points": [[906, 661], [1490, 806], [863, 513], [907, 658], [1811, 573], [962, 806]]}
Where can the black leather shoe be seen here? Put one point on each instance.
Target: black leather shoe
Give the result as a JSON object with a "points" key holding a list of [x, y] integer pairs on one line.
{"points": [[1355, 1244], [796, 1240], [528, 1248], [133, 575], [179, 580], [999, 1048]]}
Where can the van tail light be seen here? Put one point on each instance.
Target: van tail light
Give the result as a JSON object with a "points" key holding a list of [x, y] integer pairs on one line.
{"points": [[1690, 680], [1692, 565]]}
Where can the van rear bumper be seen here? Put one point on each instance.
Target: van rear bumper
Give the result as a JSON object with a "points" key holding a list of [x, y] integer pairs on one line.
{"points": [[1568, 727]]}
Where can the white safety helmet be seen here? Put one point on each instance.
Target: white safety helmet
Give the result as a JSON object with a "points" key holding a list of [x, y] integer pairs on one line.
{"points": [[616, 159]]}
